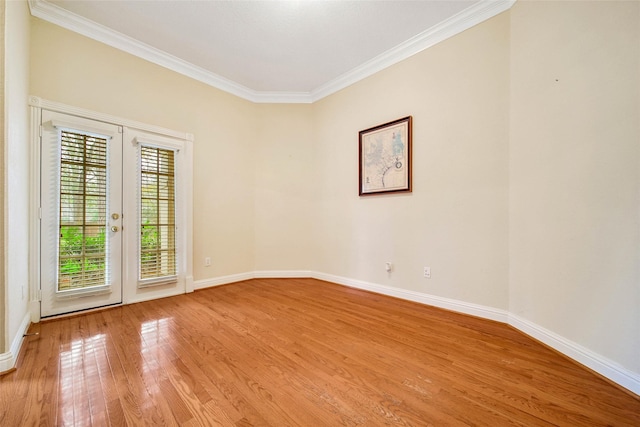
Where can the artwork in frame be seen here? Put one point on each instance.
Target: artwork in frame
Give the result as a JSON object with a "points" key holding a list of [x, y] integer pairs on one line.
{"points": [[385, 158]]}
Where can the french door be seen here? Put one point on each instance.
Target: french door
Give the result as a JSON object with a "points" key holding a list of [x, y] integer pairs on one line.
{"points": [[111, 215], [81, 214]]}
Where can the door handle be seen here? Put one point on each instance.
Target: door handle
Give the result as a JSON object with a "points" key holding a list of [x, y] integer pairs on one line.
{"points": [[114, 228]]}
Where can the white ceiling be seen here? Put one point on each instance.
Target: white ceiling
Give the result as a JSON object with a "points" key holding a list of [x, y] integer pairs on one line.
{"points": [[270, 51]]}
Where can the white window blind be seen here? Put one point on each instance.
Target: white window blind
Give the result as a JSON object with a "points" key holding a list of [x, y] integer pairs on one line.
{"points": [[157, 215], [83, 212]]}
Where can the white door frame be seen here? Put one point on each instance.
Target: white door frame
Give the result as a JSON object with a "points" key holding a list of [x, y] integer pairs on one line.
{"points": [[185, 140]]}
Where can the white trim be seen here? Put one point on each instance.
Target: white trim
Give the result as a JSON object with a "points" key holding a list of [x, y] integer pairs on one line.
{"points": [[65, 19], [458, 23], [282, 98], [8, 360], [187, 176], [275, 274], [105, 133], [44, 104], [78, 24], [221, 280], [158, 142], [471, 16], [265, 274], [583, 355], [598, 363], [447, 303], [433, 300], [34, 214]]}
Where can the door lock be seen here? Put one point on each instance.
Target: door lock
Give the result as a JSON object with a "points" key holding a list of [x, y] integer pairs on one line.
{"points": [[114, 228], [115, 216]]}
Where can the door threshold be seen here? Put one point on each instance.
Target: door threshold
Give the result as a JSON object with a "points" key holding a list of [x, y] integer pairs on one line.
{"points": [[79, 312]]}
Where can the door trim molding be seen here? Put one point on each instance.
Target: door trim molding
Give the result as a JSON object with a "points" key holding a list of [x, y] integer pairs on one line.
{"points": [[34, 214], [37, 102]]}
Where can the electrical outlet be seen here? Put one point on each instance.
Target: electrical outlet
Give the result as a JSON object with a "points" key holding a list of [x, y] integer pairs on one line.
{"points": [[388, 266], [427, 272], [207, 262]]}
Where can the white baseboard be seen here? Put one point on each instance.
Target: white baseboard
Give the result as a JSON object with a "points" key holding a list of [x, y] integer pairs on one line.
{"points": [[222, 280], [436, 301], [594, 361], [9, 359], [265, 274], [598, 363]]}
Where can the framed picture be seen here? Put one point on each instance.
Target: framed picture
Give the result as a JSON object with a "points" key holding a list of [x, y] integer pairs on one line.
{"points": [[385, 158]]}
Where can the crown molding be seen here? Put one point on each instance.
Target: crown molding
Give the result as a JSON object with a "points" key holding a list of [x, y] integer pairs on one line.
{"points": [[70, 21], [282, 98], [471, 16], [462, 21]]}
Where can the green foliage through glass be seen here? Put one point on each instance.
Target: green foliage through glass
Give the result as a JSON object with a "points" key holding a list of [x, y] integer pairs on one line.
{"points": [[83, 206]]}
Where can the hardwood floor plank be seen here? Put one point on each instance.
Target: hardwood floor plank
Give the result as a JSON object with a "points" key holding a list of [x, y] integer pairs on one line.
{"points": [[298, 352], [104, 383], [116, 413], [153, 393], [136, 403]]}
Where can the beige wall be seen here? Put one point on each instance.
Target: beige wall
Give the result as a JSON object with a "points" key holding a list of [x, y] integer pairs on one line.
{"points": [[285, 188], [574, 173], [455, 220]]}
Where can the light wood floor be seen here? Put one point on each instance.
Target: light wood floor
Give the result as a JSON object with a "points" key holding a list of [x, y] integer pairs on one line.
{"points": [[298, 352]]}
